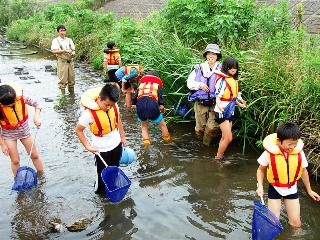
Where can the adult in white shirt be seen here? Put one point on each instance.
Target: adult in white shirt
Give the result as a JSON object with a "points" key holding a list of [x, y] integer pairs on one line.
{"points": [[64, 49]]}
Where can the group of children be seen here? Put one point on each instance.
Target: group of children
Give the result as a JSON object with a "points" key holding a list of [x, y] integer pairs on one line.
{"points": [[214, 87]]}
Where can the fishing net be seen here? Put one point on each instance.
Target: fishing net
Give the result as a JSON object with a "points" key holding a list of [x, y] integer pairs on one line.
{"points": [[229, 109], [265, 225], [26, 178], [116, 182]]}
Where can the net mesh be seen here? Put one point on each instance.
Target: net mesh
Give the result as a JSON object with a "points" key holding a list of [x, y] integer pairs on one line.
{"points": [[26, 178], [116, 182], [265, 225], [229, 109]]}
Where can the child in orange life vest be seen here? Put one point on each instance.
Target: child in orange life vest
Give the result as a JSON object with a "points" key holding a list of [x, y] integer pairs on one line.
{"points": [[226, 91], [127, 75], [149, 103], [14, 125], [112, 61], [102, 116], [285, 163]]}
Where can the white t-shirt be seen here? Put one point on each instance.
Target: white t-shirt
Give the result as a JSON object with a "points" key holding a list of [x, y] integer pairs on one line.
{"points": [[105, 143], [263, 160], [66, 44]]}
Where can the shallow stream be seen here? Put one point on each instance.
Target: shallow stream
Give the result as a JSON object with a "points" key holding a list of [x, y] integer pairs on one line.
{"points": [[178, 190]]}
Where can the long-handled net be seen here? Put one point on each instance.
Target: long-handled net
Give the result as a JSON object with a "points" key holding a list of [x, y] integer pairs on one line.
{"points": [[26, 177], [115, 180], [265, 225]]}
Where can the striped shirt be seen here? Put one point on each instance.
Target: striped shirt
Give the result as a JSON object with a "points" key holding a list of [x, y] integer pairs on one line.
{"points": [[23, 131]]}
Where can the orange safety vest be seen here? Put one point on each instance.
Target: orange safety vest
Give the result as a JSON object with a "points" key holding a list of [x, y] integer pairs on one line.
{"points": [[283, 172], [138, 67], [232, 88], [14, 116], [103, 122], [113, 57], [149, 86]]}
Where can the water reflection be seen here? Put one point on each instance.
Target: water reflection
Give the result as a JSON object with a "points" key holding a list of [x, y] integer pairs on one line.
{"points": [[31, 212], [178, 191]]}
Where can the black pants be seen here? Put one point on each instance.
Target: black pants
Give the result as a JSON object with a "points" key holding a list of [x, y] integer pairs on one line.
{"points": [[112, 158]]}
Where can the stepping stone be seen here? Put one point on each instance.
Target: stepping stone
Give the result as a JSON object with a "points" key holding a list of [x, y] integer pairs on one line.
{"points": [[23, 78], [31, 77]]}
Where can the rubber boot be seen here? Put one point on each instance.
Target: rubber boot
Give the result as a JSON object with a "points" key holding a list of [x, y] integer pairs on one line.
{"points": [[207, 140], [199, 134], [63, 91], [71, 90]]}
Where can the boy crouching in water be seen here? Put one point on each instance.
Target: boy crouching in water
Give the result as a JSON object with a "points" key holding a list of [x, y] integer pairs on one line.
{"points": [[102, 116], [149, 103], [285, 162]]}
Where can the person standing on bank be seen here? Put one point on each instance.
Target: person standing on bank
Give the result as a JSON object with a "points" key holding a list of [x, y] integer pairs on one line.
{"points": [[64, 49], [201, 83]]}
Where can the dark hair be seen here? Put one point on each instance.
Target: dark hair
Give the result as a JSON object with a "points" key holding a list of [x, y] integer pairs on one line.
{"points": [[228, 63], [111, 44], [153, 73], [61, 27], [109, 91], [288, 130], [7, 95]]}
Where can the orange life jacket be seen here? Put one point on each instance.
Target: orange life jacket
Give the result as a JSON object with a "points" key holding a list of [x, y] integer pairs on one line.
{"points": [[149, 86], [103, 122], [283, 172], [138, 67], [14, 116], [113, 57], [232, 88]]}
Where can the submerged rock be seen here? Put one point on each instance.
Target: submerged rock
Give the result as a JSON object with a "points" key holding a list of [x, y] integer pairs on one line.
{"points": [[79, 225], [56, 225]]}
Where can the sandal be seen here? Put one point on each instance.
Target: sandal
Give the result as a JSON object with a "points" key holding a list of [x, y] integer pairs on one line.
{"points": [[218, 158]]}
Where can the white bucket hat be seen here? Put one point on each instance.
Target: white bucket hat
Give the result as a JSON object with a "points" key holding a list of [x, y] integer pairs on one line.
{"points": [[212, 48]]}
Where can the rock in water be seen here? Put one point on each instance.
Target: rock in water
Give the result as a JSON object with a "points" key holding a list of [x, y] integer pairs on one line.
{"points": [[79, 225]]}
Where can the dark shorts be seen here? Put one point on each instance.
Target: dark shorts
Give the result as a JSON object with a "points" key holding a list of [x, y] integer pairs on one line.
{"points": [[147, 108], [112, 76], [273, 194], [218, 117]]}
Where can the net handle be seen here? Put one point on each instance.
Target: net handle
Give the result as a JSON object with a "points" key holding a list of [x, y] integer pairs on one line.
{"points": [[260, 195], [34, 140], [96, 153]]}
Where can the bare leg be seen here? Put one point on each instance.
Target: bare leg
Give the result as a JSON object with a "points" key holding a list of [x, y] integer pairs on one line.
{"points": [[164, 129], [293, 211], [14, 155], [225, 139], [275, 206], [27, 143], [128, 98], [145, 133]]}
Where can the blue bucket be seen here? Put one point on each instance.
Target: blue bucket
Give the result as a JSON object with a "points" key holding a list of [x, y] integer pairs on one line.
{"points": [[116, 182], [127, 157], [182, 110]]}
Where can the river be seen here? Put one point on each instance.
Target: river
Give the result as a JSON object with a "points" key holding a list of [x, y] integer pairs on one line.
{"points": [[178, 190]]}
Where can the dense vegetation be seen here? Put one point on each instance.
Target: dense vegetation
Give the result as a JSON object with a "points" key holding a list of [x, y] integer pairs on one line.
{"points": [[279, 62]]}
